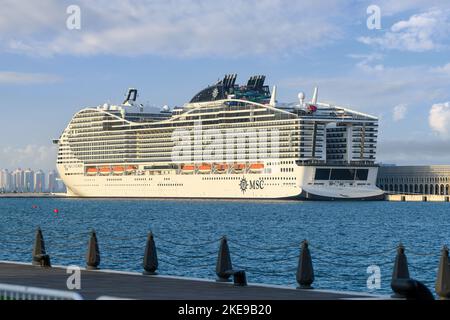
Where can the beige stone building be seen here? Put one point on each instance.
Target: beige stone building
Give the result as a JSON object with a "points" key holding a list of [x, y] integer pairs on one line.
{"points": [[426, 180]]}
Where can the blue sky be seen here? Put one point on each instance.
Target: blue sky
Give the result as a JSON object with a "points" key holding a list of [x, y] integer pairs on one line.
{"points": [[169, 50]]}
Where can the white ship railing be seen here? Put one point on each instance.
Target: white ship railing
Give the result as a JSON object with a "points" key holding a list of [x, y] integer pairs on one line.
{"points": [[14, 292]]}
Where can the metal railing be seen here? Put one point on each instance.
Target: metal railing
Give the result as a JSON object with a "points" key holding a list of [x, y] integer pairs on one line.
{"points": [[14, 292]]}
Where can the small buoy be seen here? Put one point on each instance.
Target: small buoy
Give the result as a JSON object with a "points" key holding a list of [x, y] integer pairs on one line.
{"points": [[55, 210], [34, 206]]}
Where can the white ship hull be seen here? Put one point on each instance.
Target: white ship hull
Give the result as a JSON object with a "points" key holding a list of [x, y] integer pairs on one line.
{"points": [[297, 185]]}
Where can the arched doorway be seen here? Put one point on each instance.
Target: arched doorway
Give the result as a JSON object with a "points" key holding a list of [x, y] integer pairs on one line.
{"points": [[426, 189], [431, 189]]}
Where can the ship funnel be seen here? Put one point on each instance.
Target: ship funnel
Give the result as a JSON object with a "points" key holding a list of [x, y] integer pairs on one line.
{"points": [[314, 98], [273, 98], [131, 98]]}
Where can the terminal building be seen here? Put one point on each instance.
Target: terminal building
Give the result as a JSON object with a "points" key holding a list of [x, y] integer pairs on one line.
{"points": [[423, 180]]}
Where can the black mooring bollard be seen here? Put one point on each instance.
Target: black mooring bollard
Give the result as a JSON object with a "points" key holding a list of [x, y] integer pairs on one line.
{"points": [[400, 271], [40, 257], [93, 253], [442, 286], [305, 270], [150, 257], [223, 266], [411, 289]]}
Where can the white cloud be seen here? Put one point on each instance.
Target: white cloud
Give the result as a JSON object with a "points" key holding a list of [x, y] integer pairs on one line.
{"points": [[421, 32], [29, 156], [439, 119], [21, 78], [445, 69], [166, 27], [399, 112], [369, 62]]}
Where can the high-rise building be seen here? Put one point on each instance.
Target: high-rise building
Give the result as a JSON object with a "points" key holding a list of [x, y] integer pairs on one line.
{"points": [[60, 186], [39, 181], [18, 180], [5, 181], [52, 181], [28, 180]]}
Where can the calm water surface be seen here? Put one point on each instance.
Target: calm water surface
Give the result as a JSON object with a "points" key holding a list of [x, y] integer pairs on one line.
{"points": [[264, 237]]}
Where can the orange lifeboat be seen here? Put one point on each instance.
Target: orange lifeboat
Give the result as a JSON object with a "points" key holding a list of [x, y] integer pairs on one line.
{"points": [[105, 170], [118, 170], [130, 169], [256, 167], [91, 171], [204, 168], [221, 168], [188, 168], [239, 167]]}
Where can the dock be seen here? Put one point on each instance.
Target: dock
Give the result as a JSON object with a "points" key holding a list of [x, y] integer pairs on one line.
{"points": [[417, 198], [31, 195], [133, 285]]}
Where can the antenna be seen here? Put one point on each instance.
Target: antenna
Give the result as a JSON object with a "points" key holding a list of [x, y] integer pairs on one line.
{"points": [[273, 98], [314, 98]]}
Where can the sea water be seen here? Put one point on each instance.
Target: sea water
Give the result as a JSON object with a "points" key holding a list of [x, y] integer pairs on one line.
{"points": [[264, 237]]}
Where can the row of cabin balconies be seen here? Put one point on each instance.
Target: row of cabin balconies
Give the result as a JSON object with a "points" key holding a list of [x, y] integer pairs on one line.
{"points": [[168, 151], [168, 132], [235, 158]]}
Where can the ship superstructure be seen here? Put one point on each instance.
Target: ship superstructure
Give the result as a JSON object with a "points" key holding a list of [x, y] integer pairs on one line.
{"points": [[229, 141]]}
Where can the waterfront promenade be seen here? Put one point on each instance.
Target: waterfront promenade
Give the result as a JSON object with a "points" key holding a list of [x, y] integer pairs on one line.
{"points": [[133, 285], [417, 198], [32, 195]]}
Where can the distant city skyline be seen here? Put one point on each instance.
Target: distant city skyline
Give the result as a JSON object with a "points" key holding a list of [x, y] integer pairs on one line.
{"points": [[30, 181], [169, 50]]}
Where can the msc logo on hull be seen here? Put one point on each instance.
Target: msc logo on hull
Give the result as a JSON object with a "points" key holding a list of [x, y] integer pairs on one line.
{"points": [[245, 184]]}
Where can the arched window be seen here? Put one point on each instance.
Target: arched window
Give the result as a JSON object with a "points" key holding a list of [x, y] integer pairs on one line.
{"points": [[431, 189], [426, 191], [436, 189], [442, 189], [406, 188], [421, 189]]}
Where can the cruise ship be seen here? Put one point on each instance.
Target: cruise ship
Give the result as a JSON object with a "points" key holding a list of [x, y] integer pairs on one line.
{"points": [[229, 142]]}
